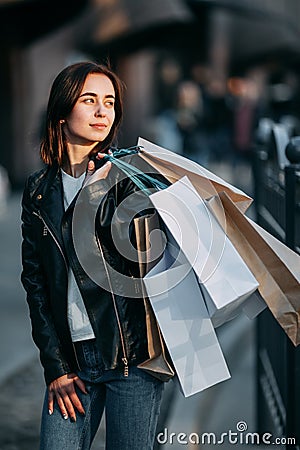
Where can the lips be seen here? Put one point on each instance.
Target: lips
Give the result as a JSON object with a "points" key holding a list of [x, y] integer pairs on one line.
{"points": [[99, 126]]}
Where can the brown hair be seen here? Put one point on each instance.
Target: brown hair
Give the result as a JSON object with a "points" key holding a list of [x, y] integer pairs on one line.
{"points": [[64, 93]]}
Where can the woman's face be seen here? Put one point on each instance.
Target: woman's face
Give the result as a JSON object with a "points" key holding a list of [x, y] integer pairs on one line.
{"points": [[93, 115]]}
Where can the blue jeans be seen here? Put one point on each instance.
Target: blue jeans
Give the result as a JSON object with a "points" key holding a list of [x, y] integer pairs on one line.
{"points": [[131, 405]]}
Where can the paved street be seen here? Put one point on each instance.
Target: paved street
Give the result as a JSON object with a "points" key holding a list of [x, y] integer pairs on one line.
{"points": [[15, 343]]}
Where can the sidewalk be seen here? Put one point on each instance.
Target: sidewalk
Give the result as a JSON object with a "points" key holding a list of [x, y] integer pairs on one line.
{"points": [[15, 341]]}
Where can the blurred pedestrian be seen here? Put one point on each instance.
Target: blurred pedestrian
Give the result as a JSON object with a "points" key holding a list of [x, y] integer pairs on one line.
{"points": [[189, 119], [218, 118], [181, 127], [90, 339], [248, 108]]}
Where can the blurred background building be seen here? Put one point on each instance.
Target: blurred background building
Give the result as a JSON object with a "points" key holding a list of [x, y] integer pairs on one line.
{"points": [[239, 57]]}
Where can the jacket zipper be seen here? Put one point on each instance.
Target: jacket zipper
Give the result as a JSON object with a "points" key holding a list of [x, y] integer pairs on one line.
{"points": [[124, 359], [46, 227], [38, 214]]}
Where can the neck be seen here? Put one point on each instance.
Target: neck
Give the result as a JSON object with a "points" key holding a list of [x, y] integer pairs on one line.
{"points": [[76, 161]]}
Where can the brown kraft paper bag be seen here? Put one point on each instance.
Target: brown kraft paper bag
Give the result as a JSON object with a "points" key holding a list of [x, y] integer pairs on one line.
{"points": [[158, 364], [277, 285]]}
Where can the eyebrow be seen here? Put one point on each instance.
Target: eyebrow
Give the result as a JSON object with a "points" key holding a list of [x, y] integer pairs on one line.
{"points": [[92, 94]]}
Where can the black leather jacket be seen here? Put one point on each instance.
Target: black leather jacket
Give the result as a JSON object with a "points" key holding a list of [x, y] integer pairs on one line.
{"points": [[47, 253]]}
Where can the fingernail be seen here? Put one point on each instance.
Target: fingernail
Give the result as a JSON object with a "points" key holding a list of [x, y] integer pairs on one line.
{"points": [[65, 416], [50, 412], [73, 419]]}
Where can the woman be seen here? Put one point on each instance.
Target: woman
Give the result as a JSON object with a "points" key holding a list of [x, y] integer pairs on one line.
{"points": [[90, 340]]}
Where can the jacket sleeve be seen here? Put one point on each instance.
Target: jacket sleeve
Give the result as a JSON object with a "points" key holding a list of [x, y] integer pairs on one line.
{"points": [[34, 282]]}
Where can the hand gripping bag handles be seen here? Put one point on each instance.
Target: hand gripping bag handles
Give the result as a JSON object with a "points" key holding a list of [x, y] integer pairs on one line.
{"points": [[159, 363]]}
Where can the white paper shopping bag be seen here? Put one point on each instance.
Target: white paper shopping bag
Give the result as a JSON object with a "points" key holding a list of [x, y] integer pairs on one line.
{"points": [[176, 299], [224, 277]]}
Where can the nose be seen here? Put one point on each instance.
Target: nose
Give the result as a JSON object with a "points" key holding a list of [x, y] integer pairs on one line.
{"points": [[100, 111]]}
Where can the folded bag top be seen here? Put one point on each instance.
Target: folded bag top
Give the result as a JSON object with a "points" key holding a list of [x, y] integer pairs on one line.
{"points": [[173, 167]]}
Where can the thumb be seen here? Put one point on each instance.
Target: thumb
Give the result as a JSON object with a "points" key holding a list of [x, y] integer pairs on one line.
{"points": [[80, 384], [90, 167]]}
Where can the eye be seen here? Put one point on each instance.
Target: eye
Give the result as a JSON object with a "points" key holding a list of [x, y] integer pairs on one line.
{"points": [[110, 103], [89, 100]]}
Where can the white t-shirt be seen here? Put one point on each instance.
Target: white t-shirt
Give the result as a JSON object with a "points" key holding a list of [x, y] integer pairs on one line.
{"points": [[79, 323]]}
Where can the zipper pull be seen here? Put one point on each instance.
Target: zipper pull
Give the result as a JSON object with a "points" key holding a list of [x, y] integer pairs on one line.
{"points": [[125, 367], [37, 214]]}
